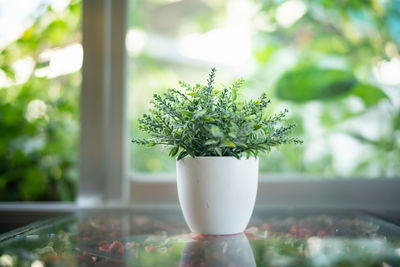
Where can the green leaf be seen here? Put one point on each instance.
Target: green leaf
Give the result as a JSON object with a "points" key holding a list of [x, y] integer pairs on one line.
{"points": [[232, 135], [233, 154], [238, 143], [369, 94], [396, 122], [174, 151], [312, 83], [208, 119], [218, 150], [229, 143], [192, 93], [151, 144], [200, 113], [234, 93], [216, 131], [33, 185], [186, 113], [211, 142], [182, 155], [363, 139], [264, 55]]}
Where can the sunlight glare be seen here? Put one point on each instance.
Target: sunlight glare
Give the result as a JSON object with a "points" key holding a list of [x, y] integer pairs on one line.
{"points": [[23, 69], [223, 45], [36, 109], [289, 12], [6, 260], [37, 263], [135, 41], [387, 72], [61, 61]]}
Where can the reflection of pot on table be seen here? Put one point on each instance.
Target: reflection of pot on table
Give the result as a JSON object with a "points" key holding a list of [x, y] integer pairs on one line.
{"points": [[228, 250]]}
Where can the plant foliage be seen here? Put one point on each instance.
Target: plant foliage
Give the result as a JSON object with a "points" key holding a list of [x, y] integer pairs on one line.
{"points": [[39, 122], [205, 121]]}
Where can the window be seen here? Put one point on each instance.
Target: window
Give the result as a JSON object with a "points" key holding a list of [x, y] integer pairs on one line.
{"points": [[40, 61], [334, 66]]}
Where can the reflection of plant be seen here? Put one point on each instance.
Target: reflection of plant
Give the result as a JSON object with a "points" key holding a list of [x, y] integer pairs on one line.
{"points": [[293, 241], [210, 122], [320, 226]]}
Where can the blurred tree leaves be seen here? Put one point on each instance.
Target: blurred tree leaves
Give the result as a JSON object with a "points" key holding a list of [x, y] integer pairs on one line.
{"points": [[312, 83], [396, 121], [324, 63], [370, 95], [39, 116], [335, 48]]}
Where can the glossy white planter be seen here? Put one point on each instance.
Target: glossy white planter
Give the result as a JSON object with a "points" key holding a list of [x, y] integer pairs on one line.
{"points": [[217, 194]]}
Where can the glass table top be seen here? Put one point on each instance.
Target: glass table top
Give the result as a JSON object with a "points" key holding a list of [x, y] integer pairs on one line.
{"points": [[161, 238]]}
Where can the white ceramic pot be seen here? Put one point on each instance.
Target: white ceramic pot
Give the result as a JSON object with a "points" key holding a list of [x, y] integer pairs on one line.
{"points": [[217, 194]]}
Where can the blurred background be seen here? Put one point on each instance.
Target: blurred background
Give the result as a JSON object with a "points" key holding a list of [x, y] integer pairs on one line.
{"points": [[334, 64]]}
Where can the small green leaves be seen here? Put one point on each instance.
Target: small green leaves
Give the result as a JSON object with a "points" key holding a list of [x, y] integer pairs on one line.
{"points": [[235, 86], [213, 122], [208, 119], [210, 142], [229, 143], [216, 131], [234, 94], [151, 144], [182, 155], [258, 126], [211, 80], [232, 135], [200, 113], [186, 113], [218, 150], [174, 151]]}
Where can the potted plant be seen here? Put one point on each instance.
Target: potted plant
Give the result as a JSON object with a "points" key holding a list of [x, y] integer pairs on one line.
{"points": [[216, 139]]}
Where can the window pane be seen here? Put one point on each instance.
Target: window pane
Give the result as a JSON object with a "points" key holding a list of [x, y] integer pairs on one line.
{"points": [[335, 67], [40, 59]]}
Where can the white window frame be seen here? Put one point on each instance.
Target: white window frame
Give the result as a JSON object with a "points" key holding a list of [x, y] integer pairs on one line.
{"points": [[280, 192], [104, 141], [104, 138]]}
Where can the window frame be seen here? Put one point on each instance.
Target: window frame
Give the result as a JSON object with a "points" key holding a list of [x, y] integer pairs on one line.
{"points": [[287, 192], [104, 137]]}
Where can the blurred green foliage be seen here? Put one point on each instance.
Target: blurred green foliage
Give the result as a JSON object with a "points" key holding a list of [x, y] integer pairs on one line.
{"points": [[314, 84], [322, 66], [39, 116], [339, 45]]}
